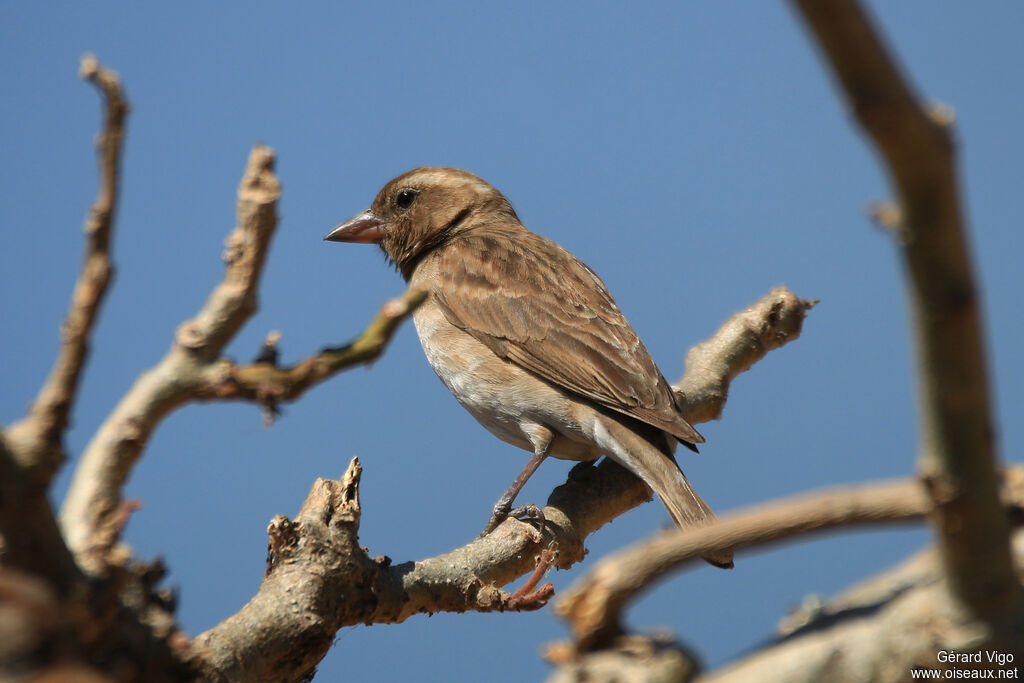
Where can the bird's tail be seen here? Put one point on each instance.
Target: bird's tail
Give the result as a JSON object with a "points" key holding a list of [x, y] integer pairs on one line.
{"points": [[660, 472]]}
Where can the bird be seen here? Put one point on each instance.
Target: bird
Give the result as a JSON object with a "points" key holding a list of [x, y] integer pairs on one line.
{"points": [[528, 338]]}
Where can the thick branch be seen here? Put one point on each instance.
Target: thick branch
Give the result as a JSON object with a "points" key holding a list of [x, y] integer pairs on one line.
{"points": [[957, 445], [320, 580], [316, 573], [90, 516], [30, 540], [37, 440]]}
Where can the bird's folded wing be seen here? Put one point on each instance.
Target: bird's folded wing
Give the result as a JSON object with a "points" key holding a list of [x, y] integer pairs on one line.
{"points": [[533, 303]]}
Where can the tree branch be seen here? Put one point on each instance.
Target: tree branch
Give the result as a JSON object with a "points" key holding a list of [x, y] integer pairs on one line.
{"points": [[957, 459], [594, 605], [30, 540], [193, 369], [744, 339], [234, 299], [90, 516], [878, 630], [37, 439], [265, 382], [303, 554], [316, 573]]}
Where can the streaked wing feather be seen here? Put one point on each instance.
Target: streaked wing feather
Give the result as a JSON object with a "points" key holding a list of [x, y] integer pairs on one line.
{"points": [[538, 306]]}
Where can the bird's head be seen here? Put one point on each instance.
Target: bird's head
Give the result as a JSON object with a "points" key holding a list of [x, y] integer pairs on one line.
{"points": [[422, 210]]}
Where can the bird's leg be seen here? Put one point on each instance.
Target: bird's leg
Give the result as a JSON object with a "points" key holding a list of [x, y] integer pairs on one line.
{"points": [[503, 508]]}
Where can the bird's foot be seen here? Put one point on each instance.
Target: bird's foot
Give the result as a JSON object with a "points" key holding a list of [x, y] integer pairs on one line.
{"points": [[530, 511], [503, 512]]}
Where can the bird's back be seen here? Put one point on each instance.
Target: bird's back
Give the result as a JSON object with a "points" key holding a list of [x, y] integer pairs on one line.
{"points": [[534, 304]]}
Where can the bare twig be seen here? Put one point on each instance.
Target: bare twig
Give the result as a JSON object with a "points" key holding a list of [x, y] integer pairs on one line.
{"points": [[37, 440], [743, 340], [594, 605], [234, 299], [958, 459], [263, 381]]}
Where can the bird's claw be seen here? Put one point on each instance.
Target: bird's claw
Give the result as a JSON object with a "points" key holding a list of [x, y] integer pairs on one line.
{"points": [[501, 513], [529, 511]]}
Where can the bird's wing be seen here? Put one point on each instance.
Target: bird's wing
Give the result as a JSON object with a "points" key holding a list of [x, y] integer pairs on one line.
{"points": [[533, 303]]}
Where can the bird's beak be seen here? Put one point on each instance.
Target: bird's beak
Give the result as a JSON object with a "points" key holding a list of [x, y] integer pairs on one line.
{"points": [[364, 228]]}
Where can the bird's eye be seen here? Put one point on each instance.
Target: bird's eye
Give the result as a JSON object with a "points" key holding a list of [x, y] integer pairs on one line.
{"points": [[405, 198]]}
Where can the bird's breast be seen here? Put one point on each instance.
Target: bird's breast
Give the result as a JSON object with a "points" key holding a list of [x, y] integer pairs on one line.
{"points": [[482, 382], [503, 397]]}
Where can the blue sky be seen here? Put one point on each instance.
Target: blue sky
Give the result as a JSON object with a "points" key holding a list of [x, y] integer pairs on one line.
{"points": [[693, 154]]}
